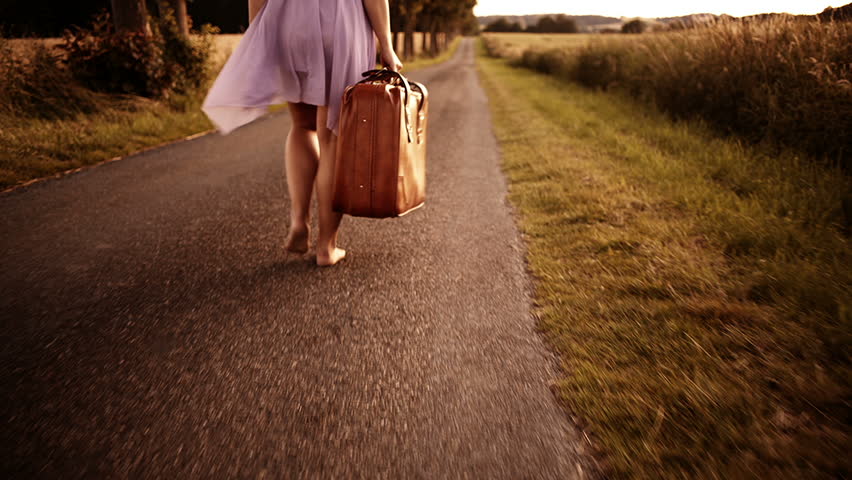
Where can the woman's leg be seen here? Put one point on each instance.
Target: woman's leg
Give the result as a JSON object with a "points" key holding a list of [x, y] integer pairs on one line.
{"points": [[300, 163], [329, 220]]}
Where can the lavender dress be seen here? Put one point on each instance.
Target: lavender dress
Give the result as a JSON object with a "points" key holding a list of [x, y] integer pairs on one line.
{"points": [[301, 51]]}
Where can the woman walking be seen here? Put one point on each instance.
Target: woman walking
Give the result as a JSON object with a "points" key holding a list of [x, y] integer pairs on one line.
{"points": [[305, 53]]}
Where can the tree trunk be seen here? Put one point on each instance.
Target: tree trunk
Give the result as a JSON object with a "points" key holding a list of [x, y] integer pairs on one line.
{"points": [[395, 37], [424, 43], [436, 47], [410, 22], [179, 7], [130, 16]]}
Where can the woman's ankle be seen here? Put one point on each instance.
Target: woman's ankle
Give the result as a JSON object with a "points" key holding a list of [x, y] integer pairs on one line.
{"points": [[325, 248], [330, 256], [298, 225], [298, 238]]}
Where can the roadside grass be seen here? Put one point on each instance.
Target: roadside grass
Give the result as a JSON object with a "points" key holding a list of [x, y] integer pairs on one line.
{"points": [[72, 126], [785, 81], [96, 127], [696, 290], [33, 148]]}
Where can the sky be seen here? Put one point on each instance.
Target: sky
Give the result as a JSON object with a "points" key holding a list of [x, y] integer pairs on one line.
{"points": [[651, 8]]}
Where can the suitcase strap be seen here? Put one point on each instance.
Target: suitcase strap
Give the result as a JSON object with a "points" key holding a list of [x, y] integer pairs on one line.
{"points": [[391, 77]]}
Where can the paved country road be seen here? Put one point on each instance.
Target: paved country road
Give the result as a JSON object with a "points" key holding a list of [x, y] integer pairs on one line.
{"points": [[152, 326]]}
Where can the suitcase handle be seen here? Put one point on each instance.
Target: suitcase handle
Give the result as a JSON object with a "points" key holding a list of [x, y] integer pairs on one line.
{"points": [[384, 74], [373, 75]]}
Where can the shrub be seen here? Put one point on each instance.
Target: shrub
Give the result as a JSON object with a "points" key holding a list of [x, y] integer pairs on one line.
{"points": [[35, 84], [554, 24], [115, 62], [592, 69], [552, 62], [503, 25], [135, 63], [188, 59], [634, 26], [492, 47]]}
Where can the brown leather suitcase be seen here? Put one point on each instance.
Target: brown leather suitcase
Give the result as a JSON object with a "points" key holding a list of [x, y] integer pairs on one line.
{"points": [[380, 169]]}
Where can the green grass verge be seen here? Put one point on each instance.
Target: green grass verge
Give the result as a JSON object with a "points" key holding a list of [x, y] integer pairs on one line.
{"points": [[696, 290], [33, 148]]}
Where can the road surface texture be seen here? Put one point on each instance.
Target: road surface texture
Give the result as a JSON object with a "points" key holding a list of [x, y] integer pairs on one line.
{"points": [[153, 326]]}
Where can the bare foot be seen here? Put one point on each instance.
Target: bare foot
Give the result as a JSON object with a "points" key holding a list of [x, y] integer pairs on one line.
{"points": [[297, 240], [326, 259]]}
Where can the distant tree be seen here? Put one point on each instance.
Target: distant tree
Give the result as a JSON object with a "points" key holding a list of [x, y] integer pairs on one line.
{"points": [[396, 19], [470, 25], [545, 24], [410, 9], [499, 25], [634, 26], [559, 24], [503, 25], [439, 20]]}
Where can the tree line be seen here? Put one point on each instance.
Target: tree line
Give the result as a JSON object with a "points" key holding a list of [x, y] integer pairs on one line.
{"points": [[548, 24], [50, 18], [441, 20], [132, 15]]}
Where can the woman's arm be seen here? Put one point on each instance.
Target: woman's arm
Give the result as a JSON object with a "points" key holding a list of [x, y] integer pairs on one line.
{"points": [[379, 14], [254, 7]]}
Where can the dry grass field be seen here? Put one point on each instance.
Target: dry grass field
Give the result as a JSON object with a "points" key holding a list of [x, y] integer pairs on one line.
{"points": [[513, 45], [781, 81]]}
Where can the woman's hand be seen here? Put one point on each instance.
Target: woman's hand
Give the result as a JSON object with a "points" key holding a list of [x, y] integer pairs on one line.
{"points": [[390, 60]]}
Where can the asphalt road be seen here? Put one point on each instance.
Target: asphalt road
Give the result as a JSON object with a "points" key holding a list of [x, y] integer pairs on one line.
{"points": [[152, 326]]}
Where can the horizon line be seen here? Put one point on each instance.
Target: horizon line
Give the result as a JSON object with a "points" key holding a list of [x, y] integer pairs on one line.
{"points": [[627, 16]]}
